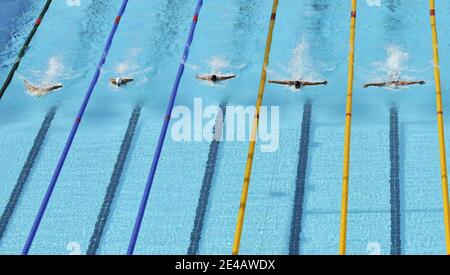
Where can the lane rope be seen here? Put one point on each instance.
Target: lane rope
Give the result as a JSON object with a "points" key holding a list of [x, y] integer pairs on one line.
{"points": [[440, 120], [347, 134], [251, 150]]}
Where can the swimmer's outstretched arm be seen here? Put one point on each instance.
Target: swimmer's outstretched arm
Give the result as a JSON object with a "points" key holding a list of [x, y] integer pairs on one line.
{"points": [[127, 80], [33, 88], [421, 82], [282, 82], [376, 84], [203, 77], [29, 87], [225, 77], [314, 83], [51, 88]]}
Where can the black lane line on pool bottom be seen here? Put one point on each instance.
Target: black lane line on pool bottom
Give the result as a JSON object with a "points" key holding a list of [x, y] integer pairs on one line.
{"points": [[114, 182], [394, 181], [297, 211], [210, 169], [26, 170]]}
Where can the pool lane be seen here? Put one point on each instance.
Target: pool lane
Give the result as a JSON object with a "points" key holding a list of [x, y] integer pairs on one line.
{"points": [[162, 51], [210, 173], [116, 176], [245, 53]]}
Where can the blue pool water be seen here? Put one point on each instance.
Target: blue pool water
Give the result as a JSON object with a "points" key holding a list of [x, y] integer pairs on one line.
{"points": [[310, 40], [11, 17]]}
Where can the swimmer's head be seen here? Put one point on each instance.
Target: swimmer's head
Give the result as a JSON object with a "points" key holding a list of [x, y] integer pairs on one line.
{"points": [[214, 77], [298, 85]]}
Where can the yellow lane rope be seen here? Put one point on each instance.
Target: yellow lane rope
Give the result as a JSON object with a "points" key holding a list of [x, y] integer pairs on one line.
{"points": [[251, 150], [440, 119], [348, 124]]}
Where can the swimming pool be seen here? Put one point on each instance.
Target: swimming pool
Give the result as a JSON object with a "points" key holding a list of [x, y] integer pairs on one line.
{"points": [[310, 40]]}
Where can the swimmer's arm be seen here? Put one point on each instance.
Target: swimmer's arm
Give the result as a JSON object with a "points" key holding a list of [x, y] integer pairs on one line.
{"points": [[35, 89], [376, 84], [112, 81], [421, 82], [47, 89], [52, 88], [56, 87], [128, 79], [226, 77], [203, 77], [308, 83], [29, 87], [282, 82]]}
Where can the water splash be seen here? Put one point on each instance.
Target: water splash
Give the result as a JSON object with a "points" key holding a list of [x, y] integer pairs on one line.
{"points": [[395, 64], [129, 64], [130, 67], [217, 64], [301, 66], [122, 68], [55, 70], [300, 63]]}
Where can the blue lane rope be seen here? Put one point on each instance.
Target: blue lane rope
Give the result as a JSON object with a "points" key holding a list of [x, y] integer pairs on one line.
{"points": [[162, 136], [73, 132]]}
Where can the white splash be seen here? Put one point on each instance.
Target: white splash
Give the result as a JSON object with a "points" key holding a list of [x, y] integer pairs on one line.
{"points": [[394, 65], [122, 68], [54, 70], [129, 67], [301, 66], [300, 61], [217, 64], [129, 64]]}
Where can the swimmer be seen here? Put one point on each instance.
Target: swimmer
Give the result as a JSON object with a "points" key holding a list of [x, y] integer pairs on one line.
{"points": [[215, 78], [298, 84], [119, 81], [393, 84], [41, 91]]}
